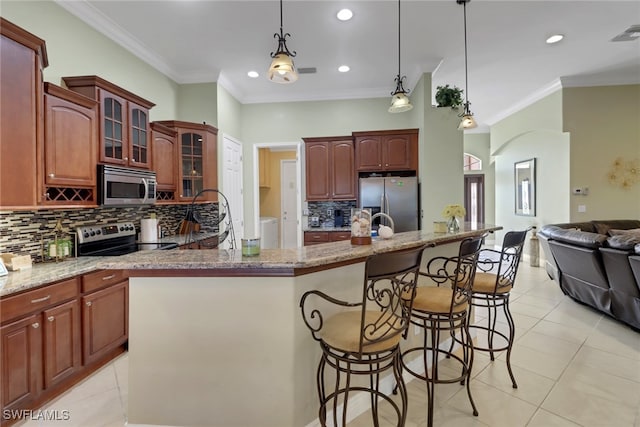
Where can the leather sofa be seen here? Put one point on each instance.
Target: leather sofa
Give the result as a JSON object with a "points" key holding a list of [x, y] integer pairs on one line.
{"points": [[597, 263]]}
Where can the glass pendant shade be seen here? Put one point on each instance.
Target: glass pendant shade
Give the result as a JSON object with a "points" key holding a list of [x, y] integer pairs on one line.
{"points": [[282, 69], [400, 103], [467, 122]]}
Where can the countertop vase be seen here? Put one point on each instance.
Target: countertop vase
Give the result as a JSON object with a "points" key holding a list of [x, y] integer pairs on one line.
{"points": [[453, 225]]}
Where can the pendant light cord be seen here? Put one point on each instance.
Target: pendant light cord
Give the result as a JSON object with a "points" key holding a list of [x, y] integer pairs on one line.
{"points": [[281, 18], [466, 72], [398, 38]]}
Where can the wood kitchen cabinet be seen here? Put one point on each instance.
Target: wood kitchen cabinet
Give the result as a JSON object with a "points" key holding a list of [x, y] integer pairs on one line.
{"points": [[392, 150], [197, 160], [125, 137], [329, 169], [105, 313], [317, 237], [23, 56], [70, 144], [164, 144], [40, 337]]}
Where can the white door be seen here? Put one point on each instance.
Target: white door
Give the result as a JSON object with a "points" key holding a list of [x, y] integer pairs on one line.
{"points": [[288, 192], [232, 185]]}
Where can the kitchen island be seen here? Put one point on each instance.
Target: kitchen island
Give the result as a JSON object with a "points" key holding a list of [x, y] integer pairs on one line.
{"points": [[217, 339]]}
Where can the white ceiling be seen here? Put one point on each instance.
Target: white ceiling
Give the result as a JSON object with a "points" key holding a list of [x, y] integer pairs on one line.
{"points": [[509, 63]]}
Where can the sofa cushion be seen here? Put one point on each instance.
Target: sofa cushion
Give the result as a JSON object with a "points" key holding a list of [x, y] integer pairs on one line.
{"points": [[603, 226], [631, 231], [637, 248], [580, 226], [624, 241], [579, 238]]}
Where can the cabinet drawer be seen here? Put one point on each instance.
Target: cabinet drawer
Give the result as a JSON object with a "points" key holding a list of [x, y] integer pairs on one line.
{"points": [[339, 235], [100, 279], [311, 237], [38, 299]]}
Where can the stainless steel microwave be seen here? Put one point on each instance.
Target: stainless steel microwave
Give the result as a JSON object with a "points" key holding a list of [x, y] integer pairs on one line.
{"points": [[126, 187]]}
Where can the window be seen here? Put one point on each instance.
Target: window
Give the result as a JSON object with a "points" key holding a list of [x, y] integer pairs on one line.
{"points": [[472, 163]]}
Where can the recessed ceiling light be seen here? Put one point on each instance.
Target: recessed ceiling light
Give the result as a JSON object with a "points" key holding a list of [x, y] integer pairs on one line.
{"points": [[343, 68], [555, 38], [253, 74], [345, 14]]}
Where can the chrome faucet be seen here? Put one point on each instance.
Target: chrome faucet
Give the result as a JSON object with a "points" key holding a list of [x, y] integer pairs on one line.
{"points": [[382, 214]]}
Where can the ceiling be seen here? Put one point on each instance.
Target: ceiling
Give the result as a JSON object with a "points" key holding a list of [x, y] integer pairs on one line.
{"points": [[510, 65]]}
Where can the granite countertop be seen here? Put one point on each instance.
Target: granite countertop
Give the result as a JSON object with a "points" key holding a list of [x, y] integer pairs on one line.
{"points": [[48, 272], [326, 228], [307, 257]]}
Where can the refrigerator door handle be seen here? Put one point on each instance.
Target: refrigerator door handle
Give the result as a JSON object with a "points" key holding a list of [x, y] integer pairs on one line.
{"points": [[386, 205], [382, 205]]}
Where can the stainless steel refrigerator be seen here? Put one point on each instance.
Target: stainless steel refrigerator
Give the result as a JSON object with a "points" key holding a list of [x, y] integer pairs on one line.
{"points": [[395, 196]]}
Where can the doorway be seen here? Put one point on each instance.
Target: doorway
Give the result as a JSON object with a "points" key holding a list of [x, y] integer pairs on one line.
{"points": [[268, 188], [474, 197]]}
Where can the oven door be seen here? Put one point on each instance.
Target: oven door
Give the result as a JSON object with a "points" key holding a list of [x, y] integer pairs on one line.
{"points": [[120, 186]]}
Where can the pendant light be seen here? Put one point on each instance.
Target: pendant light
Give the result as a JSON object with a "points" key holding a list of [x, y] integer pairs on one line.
{"points": [[282, 69], [399, 100], [467, 122]]}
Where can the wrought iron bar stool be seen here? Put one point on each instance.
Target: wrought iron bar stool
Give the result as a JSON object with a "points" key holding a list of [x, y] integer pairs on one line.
{"points": [[491, 288], [445, 308], [363, 338]]}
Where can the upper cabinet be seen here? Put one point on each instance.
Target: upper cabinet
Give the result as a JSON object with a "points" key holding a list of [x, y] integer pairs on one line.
{"points": [[392, 150], [164, 146], [329, 169], [125, 137], [197, 159], [69, 147], [23, 56]]}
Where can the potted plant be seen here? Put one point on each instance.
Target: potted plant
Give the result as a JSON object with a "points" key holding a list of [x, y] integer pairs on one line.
{"points": [[447, 96]]}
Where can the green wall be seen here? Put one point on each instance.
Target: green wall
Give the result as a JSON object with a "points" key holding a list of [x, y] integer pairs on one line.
{"points": [[198, 103], [533, 132], [75, 49], [604, 123]]}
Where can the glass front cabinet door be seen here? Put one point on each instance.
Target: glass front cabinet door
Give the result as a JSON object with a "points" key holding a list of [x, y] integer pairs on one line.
{"points": [[191, 148]]}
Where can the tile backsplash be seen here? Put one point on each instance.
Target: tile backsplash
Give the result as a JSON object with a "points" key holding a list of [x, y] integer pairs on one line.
{"points": [[321, 210], [22, 232]]}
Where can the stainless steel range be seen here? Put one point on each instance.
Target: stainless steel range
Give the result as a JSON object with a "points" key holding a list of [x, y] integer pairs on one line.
{"points": [[111, 239]]}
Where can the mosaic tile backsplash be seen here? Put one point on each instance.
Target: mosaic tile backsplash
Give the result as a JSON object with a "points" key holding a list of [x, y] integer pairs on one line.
{"points": [[321, 209], [22, 232]]}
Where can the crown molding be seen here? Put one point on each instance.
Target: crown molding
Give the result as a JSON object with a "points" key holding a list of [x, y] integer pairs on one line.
{"points": [[101, 23], [536, 96]]}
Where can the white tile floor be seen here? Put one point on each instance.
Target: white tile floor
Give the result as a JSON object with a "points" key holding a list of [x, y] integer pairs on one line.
{"points": [[574, 367]]}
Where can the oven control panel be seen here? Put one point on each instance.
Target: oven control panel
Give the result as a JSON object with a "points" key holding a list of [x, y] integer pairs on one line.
{"points": [[100, 232]]}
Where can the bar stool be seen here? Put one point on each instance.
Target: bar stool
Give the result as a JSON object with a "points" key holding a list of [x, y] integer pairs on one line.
{"points": [[491, 288], [363, 338], [445, 307]]}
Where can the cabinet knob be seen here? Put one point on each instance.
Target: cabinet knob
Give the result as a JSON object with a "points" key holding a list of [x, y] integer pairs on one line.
{"points": [[46, 196], [133, 160], [387, 164], [50, 318], [379, 164], [51, 175], [126, 158], [89, 303], [35, 325]]}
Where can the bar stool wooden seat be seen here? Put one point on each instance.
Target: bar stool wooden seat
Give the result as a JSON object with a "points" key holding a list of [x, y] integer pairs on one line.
{"points": [[491, 289], [444, 308], [363, 337]]}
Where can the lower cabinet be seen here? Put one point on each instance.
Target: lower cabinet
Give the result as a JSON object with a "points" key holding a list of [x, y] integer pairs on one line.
{"points": [[61, 328], [105, 321], [21, 362], [317, 237], [41, 347], [53, 336]]}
